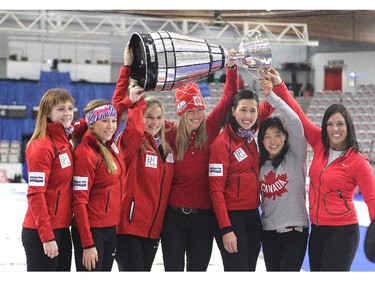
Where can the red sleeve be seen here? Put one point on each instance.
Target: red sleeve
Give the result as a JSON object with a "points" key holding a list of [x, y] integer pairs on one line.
{"points": [[84, 172], [265, 111], [312, 132], [120, 99], [39, 157], [219, 160], [366, 182], [215, 119], [80, 128], [132, 137]]}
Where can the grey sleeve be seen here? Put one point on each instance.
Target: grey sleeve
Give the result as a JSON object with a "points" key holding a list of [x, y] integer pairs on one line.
{"points": [[292, 123]]}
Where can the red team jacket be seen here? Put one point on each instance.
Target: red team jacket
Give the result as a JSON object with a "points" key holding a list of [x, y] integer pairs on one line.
{"points": [[190, 181], [234, 171], [148, 179], [96, 192], [50, 171], [332, 188]]}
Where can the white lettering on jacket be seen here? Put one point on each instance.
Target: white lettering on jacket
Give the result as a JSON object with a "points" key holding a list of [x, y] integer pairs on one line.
{"points": [[215, 170], [64, 160], [37, 178], [151, 161], [80, 183], [240, 154]]}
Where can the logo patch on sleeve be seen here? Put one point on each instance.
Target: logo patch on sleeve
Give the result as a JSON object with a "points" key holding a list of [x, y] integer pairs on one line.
{"points": [[37, 178], [64, 160], [80, 183], [215, 170]]}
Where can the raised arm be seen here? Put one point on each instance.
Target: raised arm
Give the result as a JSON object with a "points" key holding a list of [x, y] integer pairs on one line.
{"points": [[312, 131], [292, 122], [120, 99], [216, 117], [131, 138]]}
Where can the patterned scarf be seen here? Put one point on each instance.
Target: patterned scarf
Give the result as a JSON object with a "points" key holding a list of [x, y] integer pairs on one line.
{"points": [[244, 133], [69, 131], [157, 140]]}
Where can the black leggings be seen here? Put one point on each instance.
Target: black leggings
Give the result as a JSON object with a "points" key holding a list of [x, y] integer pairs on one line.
{"points": [[135, 253], [333, 248], [105, 243], [284, 251], [37, 260], [189, 234], [247, 227]]}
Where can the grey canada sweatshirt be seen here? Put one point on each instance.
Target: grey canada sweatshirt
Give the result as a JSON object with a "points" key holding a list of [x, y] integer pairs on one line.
{"points": [[283, 188]]}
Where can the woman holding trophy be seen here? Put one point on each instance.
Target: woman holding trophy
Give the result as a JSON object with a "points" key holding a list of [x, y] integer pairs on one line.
{"points": [[164, 61]]}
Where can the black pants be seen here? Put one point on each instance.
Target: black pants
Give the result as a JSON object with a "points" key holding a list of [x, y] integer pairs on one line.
{"points": [[36, 260], [189, 234], [247, 227], [135, 253], [333, 248], [284, 251], [105, 243]]}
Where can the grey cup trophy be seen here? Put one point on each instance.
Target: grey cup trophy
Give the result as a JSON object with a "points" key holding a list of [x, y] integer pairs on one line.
{"points": [[255, 53], [165, 60]]}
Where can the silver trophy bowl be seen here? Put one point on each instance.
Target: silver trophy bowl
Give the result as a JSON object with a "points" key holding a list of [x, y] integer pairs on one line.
{"points": [[165, 60], [255, 53]]}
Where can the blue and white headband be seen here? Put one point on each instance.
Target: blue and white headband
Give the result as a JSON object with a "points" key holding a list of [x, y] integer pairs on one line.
{"points": [[100, 113]]}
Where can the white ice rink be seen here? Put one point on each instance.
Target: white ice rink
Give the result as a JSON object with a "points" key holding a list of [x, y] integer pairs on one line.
{"points": [[12, 257], [13, 206]]}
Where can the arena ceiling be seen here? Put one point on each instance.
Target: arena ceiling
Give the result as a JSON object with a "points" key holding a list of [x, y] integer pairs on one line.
{"points": [[347, 25]]}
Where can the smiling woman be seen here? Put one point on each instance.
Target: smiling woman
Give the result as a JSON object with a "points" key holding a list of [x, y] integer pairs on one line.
{"points": [[337, 170], [234, 183], [97, 189]]}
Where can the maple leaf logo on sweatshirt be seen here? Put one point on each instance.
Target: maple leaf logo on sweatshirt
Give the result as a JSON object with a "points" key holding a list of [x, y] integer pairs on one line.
{"points": [[273, 186]]}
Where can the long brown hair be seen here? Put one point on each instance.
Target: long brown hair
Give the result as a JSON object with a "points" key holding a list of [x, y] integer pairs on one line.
{"points": [[106, 154], [50, 98], [183, 136], [351, 139]]}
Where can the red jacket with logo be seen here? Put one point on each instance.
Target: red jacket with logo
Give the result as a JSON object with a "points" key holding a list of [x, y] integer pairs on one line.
{"points": [[50, 170], [96, 192], [148, 178], [332, 188], [190, 180], [234, 171]]}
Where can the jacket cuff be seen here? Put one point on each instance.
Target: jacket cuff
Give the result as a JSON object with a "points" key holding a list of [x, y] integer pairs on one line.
{"points": [[226, 230]]}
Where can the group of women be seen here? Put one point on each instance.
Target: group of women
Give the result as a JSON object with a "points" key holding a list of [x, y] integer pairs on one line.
{"points": [[187, 182]]}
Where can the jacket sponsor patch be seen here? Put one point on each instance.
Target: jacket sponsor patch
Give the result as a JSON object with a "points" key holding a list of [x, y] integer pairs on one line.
{"points": [[80, 183], [151, 161], [37, 178], [64, 160], [240, 154], [215, 170], [169, 158]]}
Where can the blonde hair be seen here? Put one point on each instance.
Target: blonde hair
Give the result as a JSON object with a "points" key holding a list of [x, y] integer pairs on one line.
{"points": [[106, 154], [183, 136], [50, 99], [151, 103]]}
